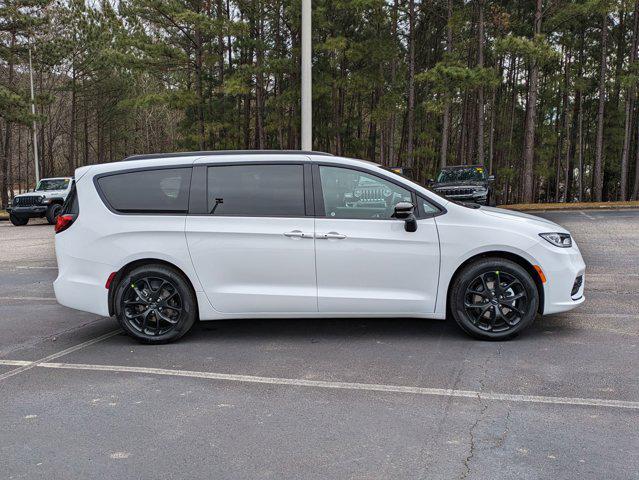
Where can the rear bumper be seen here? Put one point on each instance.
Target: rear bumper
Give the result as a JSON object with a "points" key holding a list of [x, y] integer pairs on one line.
{"points": [[81, 284]]}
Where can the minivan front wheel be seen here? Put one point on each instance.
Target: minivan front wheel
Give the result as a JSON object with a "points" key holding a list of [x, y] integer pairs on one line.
{"points": [[155, 304], [494, 298]]}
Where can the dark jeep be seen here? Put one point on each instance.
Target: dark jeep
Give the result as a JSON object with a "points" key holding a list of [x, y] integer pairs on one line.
{"points": [[465, 183]]}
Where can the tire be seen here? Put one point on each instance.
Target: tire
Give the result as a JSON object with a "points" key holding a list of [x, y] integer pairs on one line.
{"points": [[158, 286], [52, 213], [492, 316], [18, 221]]}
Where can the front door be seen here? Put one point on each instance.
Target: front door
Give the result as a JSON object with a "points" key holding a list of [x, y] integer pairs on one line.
{"points": [[253, 248], [366, 261]]}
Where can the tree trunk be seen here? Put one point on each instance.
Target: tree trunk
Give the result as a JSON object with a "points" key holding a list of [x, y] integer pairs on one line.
{"points": [[410, 130], [480, 92], [72, 128], [199, 62], [443, 149], [4, 164], [629, 107], [531, 116], [493, 120], [598, 168]]}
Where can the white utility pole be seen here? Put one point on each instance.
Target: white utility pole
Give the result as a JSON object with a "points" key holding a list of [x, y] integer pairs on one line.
{"points": [[307, 99], [33, 112]]}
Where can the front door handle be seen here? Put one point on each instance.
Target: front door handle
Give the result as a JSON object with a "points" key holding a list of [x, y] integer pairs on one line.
{"points": [[298, 234], [331, 236]]}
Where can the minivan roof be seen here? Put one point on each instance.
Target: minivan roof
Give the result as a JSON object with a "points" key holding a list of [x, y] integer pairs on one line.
{"points": [[223, 152]]}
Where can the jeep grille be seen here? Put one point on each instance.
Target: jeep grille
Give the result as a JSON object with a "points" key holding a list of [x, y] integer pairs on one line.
{"points": [[27, 201]]}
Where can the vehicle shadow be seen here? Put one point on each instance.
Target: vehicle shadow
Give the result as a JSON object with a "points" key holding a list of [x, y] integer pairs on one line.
{"points": [[344, 328]]}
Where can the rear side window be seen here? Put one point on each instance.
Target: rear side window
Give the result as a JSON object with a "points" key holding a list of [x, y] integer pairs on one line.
{"points": [[148, 191], [71, 205], [256, 190]]}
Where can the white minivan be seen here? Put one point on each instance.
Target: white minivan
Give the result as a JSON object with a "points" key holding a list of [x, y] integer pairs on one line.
{"points": [[163, 240]]}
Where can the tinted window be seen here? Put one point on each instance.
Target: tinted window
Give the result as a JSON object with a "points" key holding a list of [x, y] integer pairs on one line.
{"points": [[428, 208], [71, 205], [148, 191], [256, 190], [353, 194]]}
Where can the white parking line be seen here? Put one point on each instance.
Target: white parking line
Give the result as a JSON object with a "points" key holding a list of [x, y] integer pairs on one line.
{"points": [[30, 299], [29, 365], [371, 387], [36, 267]]}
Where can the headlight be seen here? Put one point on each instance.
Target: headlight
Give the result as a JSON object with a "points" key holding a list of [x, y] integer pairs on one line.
{"points": [[562, 240]]}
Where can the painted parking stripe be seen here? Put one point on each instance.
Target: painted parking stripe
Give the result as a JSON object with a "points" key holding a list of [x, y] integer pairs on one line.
{"points": [[59, 354], [370, 387], [30, 299]]}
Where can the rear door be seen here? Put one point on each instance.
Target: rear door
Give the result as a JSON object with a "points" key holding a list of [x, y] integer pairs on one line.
{"points": [[366, 261], [250, 235]]}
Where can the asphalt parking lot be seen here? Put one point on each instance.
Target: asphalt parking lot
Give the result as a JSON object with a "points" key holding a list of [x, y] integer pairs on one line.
{"points": [[293, 399]]}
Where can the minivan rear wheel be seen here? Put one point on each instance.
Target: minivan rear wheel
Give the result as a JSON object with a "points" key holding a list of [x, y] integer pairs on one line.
{"points": [[494, 299], [155, 304]]}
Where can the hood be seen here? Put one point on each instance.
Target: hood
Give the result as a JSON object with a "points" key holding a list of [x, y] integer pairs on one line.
{"points": [[467, 183], [47, 194], [511, 215]]}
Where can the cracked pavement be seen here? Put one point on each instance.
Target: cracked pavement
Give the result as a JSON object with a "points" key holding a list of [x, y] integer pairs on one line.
{"points": [[68, 423]]}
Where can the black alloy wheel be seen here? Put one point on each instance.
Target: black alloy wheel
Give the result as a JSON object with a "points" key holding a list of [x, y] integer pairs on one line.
{"points": [[494, 299], [155, 304]]}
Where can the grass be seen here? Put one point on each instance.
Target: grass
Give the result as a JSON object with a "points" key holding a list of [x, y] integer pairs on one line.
{"points": [[571, 206]]}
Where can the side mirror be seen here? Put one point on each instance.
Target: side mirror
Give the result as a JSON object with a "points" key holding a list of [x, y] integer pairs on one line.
{"points": [[491, 178], [404, 211]]}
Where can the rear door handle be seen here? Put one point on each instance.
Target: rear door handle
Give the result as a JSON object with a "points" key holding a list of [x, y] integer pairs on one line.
{"points": [[298, 234], [331, 236]]}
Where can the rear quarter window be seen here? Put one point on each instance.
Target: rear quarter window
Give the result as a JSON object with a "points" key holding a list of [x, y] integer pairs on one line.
{"points": [[71, 204], [147, 191]]}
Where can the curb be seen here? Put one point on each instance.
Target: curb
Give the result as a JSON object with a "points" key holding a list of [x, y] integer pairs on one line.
{"points": [[552, 207]]}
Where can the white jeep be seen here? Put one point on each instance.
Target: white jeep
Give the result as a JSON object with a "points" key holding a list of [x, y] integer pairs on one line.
{"points": [[45, 201]]}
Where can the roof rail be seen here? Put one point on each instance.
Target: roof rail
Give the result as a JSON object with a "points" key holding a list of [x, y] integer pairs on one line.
{"points": [[223, 152]]}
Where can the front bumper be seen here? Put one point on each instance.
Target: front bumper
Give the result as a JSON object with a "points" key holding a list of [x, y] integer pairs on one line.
{"points": [[475, 197], [31, 211], [562, 267]]}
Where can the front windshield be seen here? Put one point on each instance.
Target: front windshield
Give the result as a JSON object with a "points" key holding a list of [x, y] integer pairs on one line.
{"points": [[461, 175], [52, 184]]}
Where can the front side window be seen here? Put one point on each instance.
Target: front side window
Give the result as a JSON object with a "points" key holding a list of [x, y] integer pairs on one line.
{"points": [[256, 190], [148, 191], [353, 194]]}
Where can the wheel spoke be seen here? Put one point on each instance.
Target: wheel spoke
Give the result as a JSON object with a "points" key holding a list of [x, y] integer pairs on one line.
{"points": [[513, 297], [483, 294], [144, 319], [475, 305], [165, 318]]}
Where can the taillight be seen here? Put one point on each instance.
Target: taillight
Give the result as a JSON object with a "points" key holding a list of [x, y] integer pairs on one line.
{"points": [[63, 222]]}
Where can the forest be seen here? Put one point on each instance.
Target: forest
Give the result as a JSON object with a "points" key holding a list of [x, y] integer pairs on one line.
{"points": [[543, 93]]}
